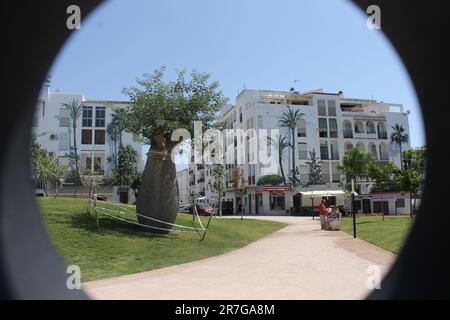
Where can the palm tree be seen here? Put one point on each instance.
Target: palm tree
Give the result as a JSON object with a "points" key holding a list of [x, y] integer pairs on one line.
{"points": [[399, 137], [118, 120], [75, 111], [281, 143], [115, 129], [289, 120]]}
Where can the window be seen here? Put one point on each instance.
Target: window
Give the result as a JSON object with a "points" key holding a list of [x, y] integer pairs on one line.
{"points": [[100, 117], [234, 115], [99, 136], [86, 136], [331, 108], [370, 127], [276, 202], [98, 164], [63, 141], [88, 163], [348, 130], [87, 116], [400, 203], [323, 128], [324, 151], [359, 128], [333, 128], [322, 108], [302, 151], [301, 128], [240, 115], [334, 151], [64, 117]]}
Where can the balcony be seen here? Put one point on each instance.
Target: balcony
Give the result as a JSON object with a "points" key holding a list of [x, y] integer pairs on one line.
{"points": [[324, 156], [333, 133], [382, 135], [348, 134]]}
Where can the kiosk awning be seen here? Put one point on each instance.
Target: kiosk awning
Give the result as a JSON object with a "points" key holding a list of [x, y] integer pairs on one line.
{"points": [[322, 193]]}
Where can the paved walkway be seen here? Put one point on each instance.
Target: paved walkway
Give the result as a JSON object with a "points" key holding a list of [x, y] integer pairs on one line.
{"points": [[297, 262]]}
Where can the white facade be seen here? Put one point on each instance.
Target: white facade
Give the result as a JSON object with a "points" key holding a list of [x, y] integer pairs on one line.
{"points": [[183, 186], [54, 132], [331, 125]]}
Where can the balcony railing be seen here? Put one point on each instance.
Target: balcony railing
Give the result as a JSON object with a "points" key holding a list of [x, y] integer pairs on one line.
{"points": [[333, 133], [348, 134]]}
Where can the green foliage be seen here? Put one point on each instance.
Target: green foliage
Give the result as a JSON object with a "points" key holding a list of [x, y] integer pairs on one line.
{"points": [[218, 174], [294, 179], [236, 177], [45, 168], [158, 107], [384, 176], [315, 168], [410, 180], [355, 165], [136, 182], [399, 137], [127, 165], [270, 180], [414, 159]]}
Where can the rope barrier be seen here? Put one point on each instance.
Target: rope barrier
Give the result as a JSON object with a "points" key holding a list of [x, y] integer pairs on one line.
{"points": [[138, 224], [154, 219]]}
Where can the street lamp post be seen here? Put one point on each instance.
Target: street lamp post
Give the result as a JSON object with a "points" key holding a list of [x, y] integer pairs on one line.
{"points": [[353, 209]]}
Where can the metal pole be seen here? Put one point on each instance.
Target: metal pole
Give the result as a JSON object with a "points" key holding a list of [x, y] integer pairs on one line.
{"points": [[354, 215], [353, 208]]}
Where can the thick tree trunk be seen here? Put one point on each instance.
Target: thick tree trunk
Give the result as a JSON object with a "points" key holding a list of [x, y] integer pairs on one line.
{"points": [[158, 193]]}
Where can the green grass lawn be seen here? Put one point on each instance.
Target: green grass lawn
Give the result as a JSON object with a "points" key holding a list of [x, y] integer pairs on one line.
{"points": [[119, 248], [389, 234]]}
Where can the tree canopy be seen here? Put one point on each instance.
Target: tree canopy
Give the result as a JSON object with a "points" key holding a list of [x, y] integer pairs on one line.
{"points": [[159, 107]]}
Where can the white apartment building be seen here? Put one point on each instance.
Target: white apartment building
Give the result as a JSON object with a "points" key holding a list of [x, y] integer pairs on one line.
{"points": [[332, 124], [54, 132], [183, 186]]}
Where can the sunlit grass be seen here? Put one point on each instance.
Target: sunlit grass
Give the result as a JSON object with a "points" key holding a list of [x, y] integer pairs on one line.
{"points": [[119, 248], [389, 234]]}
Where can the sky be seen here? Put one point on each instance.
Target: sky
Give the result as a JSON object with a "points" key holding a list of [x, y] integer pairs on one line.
{"points": [[256, 44]]}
